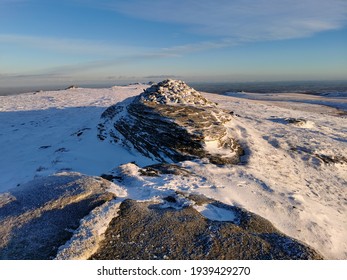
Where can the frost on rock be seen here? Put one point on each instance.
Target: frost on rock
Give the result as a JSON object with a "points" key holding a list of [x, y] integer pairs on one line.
{"points": [[41, 215], [148, 230], [169, 122], [175, 92], [86, 238]]}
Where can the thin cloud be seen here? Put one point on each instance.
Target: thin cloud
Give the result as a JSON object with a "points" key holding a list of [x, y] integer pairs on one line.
{"points": [[80, 46], [105, 49], [198, 47], [74, 46], [71, 70], [224, 23], [162, 77], [38, 75], [242, 20]]}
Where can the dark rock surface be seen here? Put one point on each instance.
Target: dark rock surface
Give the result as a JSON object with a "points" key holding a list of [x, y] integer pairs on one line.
{"points": [[172, 122], [146, 230], [164, 168], [38, 217]]}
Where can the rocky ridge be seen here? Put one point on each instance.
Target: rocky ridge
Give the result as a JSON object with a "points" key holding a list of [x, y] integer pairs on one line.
{"points": [[170, 121]]}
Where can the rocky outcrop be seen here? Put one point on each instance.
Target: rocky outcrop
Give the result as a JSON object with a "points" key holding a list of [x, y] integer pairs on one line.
{"points": [[72, 87], [149, 230], [40, 216], [170, 121]]}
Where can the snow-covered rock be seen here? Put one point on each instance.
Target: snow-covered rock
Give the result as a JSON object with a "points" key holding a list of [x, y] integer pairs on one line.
{"points": [[150, 230], [42, 215], [170, 121], [174, 92]]}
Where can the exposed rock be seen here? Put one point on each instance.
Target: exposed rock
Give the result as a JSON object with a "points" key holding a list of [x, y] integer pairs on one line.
{"points": [[299, 122], [72, 87], [295, 121], [170, 121], [164, 168], [322, 158], [334, 159], [145, 230], [41, 215]]}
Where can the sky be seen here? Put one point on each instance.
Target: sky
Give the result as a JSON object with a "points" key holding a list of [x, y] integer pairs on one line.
{"points": [[111, 42]]}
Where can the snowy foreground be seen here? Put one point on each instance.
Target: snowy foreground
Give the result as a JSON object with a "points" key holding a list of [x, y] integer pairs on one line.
{"points": [[294, 172]]}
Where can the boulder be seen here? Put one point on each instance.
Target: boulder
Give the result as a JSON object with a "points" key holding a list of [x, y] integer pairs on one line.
{"points": [[152, 230], [40, 216]]}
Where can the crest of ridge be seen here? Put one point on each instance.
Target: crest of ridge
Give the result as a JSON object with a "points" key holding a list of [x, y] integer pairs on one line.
{"points": [[174, 92]]}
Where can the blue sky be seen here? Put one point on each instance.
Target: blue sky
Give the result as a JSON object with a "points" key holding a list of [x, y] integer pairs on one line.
{"points": [[63, 42]]}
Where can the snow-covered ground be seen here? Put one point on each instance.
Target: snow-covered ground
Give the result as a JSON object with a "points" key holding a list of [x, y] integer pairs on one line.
{"points": [[293, 173], [54, 131]]}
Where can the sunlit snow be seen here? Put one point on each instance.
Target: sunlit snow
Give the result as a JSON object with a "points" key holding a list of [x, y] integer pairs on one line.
{"points": [[293, 173]]}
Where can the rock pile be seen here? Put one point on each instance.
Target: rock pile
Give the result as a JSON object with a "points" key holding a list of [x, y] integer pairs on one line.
{"points": [[174, 92]]}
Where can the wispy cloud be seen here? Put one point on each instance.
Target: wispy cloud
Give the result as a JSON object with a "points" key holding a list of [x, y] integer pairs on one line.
{"points": [[108, 49], [112, 55], [71, 70], [226, 23], [162, 77], [73, 46], [222, 23], [200, 46], [242, 20]]}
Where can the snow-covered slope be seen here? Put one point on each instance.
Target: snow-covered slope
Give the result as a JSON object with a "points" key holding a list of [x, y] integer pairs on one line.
{"points": [[47, 132], [294, 172]]}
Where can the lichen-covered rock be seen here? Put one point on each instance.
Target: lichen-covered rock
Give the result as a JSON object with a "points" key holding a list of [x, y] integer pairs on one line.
{"points": [[172, 122], [41, 215]]}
